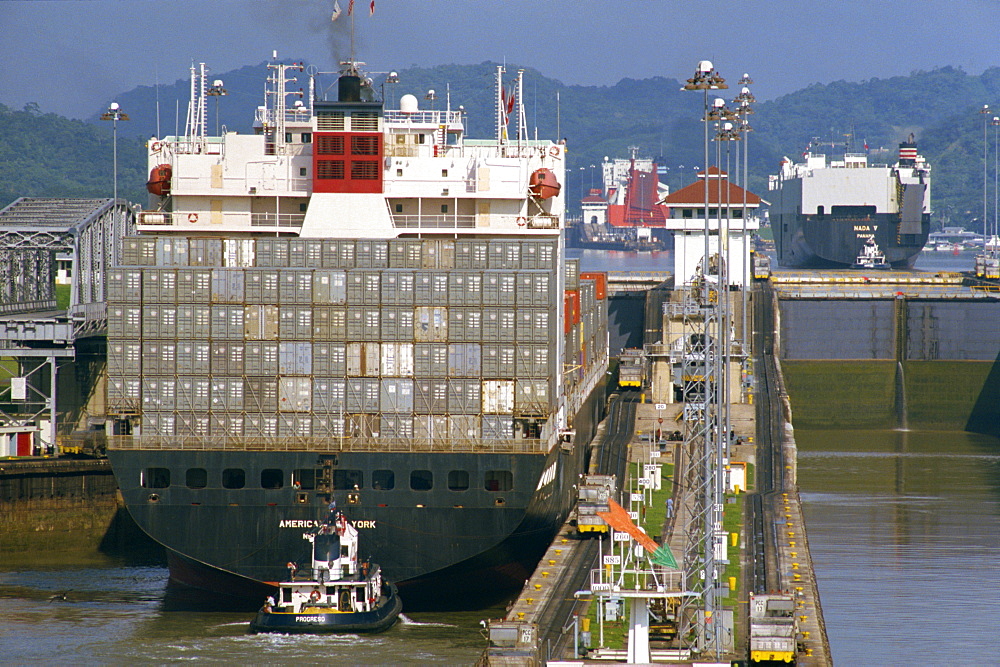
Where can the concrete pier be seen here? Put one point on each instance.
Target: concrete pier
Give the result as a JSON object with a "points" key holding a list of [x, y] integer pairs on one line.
{"points": [[544, 624]]}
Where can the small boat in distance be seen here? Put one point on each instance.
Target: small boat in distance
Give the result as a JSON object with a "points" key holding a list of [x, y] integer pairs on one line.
{"points": [[336, 594], [871, 257]]}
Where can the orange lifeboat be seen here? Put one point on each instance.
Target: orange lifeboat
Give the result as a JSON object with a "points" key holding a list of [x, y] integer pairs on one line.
{"points": [[159, 180], [543, 183]]}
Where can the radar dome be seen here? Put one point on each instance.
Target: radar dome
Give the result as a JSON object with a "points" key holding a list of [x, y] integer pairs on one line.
{"points": [[408, 104]]}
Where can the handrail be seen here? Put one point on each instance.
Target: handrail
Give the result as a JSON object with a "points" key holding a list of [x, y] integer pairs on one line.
{"points": [[327, 444]]}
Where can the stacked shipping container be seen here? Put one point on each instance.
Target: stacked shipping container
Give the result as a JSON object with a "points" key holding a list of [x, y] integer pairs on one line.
{"points": [[585, 322], [422, 341]]}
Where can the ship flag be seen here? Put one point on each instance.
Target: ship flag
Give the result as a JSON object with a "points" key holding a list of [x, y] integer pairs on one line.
{"points": [[336, 10], [866, 144], [350, 7], [618, 518], [371, 8]]}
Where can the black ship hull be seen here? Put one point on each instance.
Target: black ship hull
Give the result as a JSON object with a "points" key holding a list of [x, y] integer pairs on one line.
{"points": [[832, 242], [457, 545]]}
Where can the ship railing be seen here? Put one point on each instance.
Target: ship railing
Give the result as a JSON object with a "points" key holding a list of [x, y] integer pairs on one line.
{"points": [[169, 219], [269, 117], [332, 443], [684, 310], [525, 149], [656, 579], [434, 221], [195, 145], [456, 221], [428, 117], [423, 150], [294, 220]]}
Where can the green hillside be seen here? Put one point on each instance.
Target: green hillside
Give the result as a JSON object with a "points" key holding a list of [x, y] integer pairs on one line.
{"points": [[46, 155]]}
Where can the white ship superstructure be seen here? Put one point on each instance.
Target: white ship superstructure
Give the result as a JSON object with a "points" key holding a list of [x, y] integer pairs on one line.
{"points": [[348, 169]]}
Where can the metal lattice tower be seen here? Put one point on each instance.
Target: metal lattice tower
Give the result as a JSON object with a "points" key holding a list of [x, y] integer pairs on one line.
{"points": [[703, 419]]}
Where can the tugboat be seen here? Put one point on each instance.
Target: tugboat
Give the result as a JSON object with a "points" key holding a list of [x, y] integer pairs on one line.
{"points": [[336, 594], [871, 257]]}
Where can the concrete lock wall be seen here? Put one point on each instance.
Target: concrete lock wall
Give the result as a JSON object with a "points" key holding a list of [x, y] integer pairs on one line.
{"points": [[883, 363]]}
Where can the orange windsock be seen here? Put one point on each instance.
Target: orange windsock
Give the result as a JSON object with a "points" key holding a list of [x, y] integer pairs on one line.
{"points": [[619, 519]]}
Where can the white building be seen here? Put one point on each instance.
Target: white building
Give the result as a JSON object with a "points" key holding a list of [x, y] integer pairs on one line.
{"points": [[738, 209]]}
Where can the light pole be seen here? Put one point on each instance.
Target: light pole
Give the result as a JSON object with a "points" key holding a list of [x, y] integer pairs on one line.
{"points": [[217, 90], [390, 78], [114, 114], [745, 99], [985, 111], [728, 133], [996, 192]]}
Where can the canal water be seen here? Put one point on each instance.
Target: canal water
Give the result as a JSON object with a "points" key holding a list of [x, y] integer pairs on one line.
{"points": [[123, 614], [904, 530]]}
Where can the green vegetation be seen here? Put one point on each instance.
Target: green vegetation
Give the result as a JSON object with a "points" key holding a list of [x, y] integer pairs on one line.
{"points": [[63, 294], [47, 155], [652, 518]]}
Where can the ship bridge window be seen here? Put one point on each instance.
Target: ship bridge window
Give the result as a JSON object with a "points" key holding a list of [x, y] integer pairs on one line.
{"points": [[421, 480], [820, 210], [421, 138], [271, 478], [304, 478], [155, 478], [196, 478], [347, 479], [288, 137], [687, 213], [458, 480], [499, 480], [364, 121], [307, 137], [364, 145], [234, 478], [330, 169], [330, 145], [383, 480], [330, 121], [365, 170]]}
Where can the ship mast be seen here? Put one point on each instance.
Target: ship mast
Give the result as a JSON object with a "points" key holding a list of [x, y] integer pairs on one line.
{"points": [[194, 126], [501, 107]]}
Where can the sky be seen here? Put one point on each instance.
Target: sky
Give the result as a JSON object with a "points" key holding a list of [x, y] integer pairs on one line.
{"points": [[72, 57]]}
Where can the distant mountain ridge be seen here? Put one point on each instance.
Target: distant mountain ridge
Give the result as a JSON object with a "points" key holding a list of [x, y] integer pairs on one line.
{"points": [[46, 155]]}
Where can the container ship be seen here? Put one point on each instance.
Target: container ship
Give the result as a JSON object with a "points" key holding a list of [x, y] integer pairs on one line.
{"points": [[824, 211], [359, 306]]}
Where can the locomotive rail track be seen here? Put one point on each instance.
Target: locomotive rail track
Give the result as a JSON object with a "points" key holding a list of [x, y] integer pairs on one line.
{"points": [[612, 457], [770, 453]]}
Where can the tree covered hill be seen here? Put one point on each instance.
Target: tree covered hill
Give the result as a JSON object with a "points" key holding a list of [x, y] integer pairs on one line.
{"points": [[46, 155]]}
